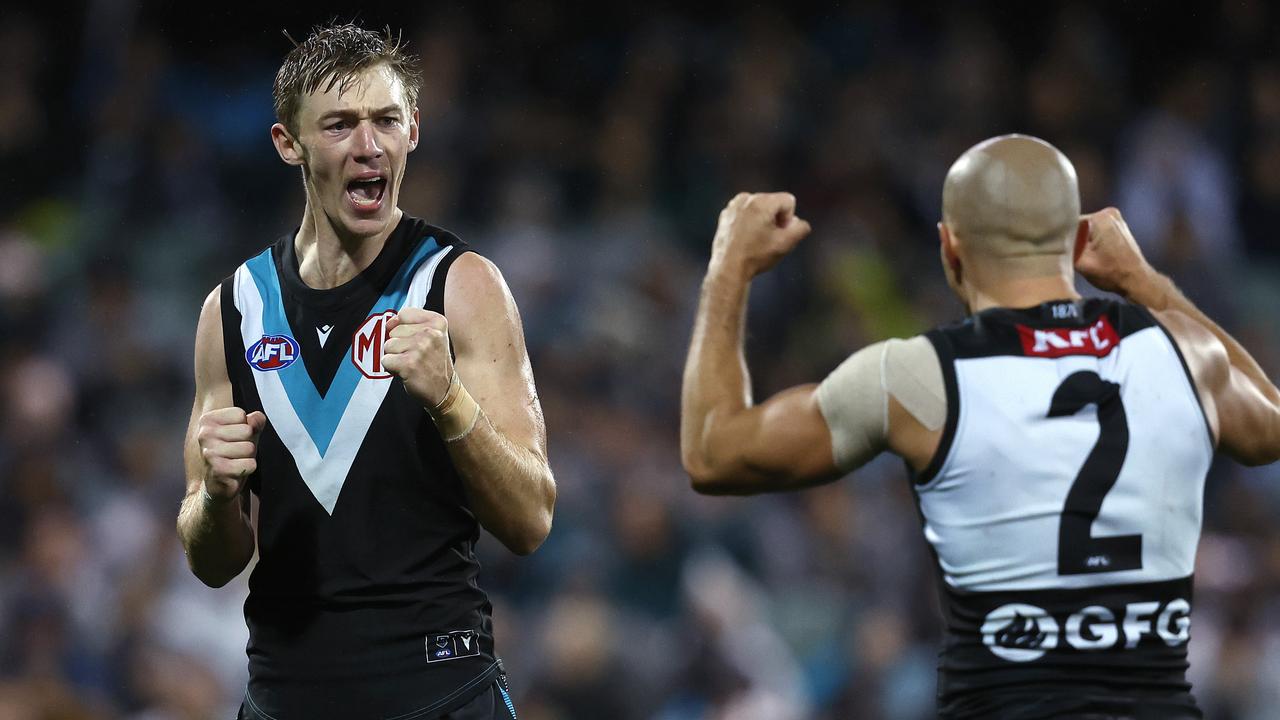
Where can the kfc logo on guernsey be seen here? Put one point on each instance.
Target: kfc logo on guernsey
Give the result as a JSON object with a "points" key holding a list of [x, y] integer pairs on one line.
{"points": [[366, 345], [272, 352], [1098, 340]]}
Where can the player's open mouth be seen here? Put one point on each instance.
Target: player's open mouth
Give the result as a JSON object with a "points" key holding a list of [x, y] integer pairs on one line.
{"points": [[366, 194]]}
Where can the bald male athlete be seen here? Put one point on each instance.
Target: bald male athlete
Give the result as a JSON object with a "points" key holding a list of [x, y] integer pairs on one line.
{"points": [[1057, 446]]}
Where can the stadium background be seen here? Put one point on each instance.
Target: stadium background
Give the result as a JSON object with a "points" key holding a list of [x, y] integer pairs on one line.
{"points": [[588, 155]]}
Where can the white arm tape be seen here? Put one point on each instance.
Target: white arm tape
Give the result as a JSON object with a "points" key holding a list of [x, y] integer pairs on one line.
{"points": [[854, 398]]}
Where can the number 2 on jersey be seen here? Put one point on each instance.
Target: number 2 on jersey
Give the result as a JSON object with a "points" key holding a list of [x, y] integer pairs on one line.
{"points": [[1079, 552]]}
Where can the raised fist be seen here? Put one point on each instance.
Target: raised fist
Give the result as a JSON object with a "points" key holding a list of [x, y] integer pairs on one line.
{"points": [[417, 352], [228, 440], [1111, 259], [756, 231]]}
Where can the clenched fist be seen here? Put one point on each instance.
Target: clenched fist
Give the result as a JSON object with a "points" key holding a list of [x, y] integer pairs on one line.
{"points": [[756, 231], [1111, 259], [228, 440], [417, 352]]}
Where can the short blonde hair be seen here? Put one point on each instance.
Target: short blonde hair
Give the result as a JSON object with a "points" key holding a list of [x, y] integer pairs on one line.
{"points": [[336, 55]]}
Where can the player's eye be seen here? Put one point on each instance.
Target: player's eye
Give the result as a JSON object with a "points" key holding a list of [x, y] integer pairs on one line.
{"points": [[338, 126], [388, 121]]}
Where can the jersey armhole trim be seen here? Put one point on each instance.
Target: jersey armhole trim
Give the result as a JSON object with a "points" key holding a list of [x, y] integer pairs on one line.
{"points": [[946, 358], [231, 337], [1191, 380], [435, 296]]}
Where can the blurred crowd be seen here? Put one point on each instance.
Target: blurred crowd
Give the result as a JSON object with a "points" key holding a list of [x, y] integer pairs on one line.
{"points": [[588, 157]]}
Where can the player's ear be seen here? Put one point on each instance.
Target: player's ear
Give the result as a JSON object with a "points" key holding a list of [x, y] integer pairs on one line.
{"points": [[287, 146], [950, 257], [413, 130], [1082, 239]]}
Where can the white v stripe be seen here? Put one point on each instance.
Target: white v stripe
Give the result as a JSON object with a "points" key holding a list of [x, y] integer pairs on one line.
{"points": [[324, 474], [324, 333]]}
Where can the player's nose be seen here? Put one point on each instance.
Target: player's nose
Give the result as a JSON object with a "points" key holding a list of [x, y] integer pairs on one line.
{"points": [[365, 141]]}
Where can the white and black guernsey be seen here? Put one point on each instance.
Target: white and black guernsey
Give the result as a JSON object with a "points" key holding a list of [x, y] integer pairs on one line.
{"points": [[364, 601], [1063, 506]]}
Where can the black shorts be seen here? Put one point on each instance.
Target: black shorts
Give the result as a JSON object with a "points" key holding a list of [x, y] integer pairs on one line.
{"points": [[492, 704]]}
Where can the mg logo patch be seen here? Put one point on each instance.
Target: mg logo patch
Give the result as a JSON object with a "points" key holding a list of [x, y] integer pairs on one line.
{"points": [[272, 352], [366, 345]]}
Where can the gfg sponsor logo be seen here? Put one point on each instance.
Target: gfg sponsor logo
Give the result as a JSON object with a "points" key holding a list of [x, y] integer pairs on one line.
{"points": [[1018, 632]]}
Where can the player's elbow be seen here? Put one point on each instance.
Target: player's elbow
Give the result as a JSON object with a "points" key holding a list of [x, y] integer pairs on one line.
{"points": [[704, 481], [708, 478], [529, 538], [536, 527], [716, 486], [213, 580], [701, 475], [214, 577], [527, 546], [710, 472], [715, 459], [215, 567]]}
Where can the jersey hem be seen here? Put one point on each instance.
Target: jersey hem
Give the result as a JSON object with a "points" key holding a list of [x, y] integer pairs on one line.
{"points": [[456, 698]]}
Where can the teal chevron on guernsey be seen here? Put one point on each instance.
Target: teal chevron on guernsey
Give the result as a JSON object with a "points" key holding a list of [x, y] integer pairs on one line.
{"points": [[320, 413], [307, 421]]}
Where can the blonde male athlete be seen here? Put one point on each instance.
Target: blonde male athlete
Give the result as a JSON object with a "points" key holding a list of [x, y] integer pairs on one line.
{"points": [[1058, 446], [377, 437]]}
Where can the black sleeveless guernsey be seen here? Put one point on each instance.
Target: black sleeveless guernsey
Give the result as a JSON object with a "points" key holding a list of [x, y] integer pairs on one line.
{"points": [[364, 601]]}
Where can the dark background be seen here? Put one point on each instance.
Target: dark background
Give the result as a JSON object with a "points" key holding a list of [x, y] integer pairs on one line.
{"points": [[587, 152]]}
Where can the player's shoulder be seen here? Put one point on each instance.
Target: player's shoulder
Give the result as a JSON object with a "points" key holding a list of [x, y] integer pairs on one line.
{"points": [[909, 349], [1205, 355], [212, 305], [465, 266], [468, 269], [471, 282], [1183, 326], [475, 281], [209, 326], [893, 357]]}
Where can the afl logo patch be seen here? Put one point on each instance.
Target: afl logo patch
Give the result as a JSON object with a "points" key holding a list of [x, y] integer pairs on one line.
{"points": [[272, 352]]}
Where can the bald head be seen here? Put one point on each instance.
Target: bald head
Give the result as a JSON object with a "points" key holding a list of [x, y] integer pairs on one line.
{"points": [[1013, 197]]}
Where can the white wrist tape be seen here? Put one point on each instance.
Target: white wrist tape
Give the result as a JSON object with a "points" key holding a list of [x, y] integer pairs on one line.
{"points": [[456, 415]]}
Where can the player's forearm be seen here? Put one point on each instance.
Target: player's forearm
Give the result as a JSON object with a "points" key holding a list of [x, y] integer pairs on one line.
{"points": [[511, 488], [216, 536], [717, 384], [1158, 292]]}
